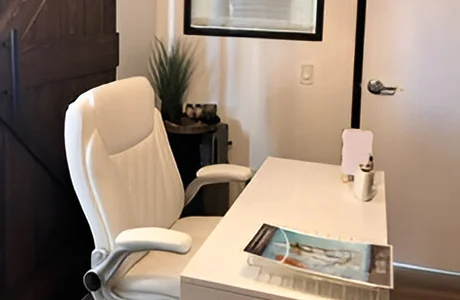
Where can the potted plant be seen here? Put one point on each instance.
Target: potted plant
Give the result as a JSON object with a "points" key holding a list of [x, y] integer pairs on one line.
{"points": [[171, 70]]}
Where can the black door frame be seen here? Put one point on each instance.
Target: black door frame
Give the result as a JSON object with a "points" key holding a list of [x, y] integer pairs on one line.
{"points": [[358, 64]]}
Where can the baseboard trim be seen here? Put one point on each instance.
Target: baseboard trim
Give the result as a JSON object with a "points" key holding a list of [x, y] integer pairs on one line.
{"points": [[423, 269]]}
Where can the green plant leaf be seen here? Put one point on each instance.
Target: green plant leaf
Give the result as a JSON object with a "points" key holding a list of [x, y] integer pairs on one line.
{"points": [[170, 71]]}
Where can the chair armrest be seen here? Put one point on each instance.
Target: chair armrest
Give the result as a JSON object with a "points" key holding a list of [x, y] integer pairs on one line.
{"points": [[148, 239], [135, 240], [225, 173], [217, 174]]}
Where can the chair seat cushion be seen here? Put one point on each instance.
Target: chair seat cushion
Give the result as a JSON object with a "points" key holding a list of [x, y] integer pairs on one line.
{"points": [[158, 273]]}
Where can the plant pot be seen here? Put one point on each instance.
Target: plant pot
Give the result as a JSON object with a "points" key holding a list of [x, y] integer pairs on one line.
{"points": [[172, 114], [189, 129]]}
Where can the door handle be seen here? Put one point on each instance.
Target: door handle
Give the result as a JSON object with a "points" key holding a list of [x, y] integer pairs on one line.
{"points": [[14, 47], [377, 87]]}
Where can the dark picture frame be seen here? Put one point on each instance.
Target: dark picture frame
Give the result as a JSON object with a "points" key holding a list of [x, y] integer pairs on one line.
{"points": [[316, 37]]}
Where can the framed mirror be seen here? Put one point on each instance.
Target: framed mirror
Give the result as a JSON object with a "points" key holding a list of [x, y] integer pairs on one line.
{"points": [[273, 19]]}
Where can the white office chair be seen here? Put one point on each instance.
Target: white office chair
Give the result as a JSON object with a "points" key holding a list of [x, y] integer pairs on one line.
{"points": [[126, 179]]}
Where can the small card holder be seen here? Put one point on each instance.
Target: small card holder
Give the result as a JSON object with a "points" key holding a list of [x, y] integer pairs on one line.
{"points": [[356, 148]]}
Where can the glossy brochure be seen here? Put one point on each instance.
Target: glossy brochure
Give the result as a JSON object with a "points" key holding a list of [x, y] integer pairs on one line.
{"points": [[358, 263]]}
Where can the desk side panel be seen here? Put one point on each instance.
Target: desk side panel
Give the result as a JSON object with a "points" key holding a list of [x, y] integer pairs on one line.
{"points": [[195, 292]]}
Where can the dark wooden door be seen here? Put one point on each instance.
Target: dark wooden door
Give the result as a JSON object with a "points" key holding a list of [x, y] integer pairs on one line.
{"points": [[64, 47]]}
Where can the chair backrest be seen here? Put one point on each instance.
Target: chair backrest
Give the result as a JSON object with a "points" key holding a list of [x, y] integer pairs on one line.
{"points": [[120, 161]]}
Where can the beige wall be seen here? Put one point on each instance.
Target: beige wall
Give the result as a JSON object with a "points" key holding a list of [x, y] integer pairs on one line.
{"points": [[136, 25], [256, 84]]}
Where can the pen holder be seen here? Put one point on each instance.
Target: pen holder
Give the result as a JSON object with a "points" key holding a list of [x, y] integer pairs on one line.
{"points": [[363, 184]]}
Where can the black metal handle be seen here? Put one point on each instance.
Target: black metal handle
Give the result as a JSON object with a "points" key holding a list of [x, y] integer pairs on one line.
{"points": [[14, 47]]}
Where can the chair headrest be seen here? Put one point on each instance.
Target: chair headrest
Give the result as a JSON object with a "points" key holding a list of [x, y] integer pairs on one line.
{"points": [[123, 112]]}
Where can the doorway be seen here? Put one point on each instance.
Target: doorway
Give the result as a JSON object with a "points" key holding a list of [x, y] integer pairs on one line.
{"points": [[409, 47], [51, 52]]}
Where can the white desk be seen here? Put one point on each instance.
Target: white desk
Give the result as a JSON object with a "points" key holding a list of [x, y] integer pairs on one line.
{"points": [[304, 196]]}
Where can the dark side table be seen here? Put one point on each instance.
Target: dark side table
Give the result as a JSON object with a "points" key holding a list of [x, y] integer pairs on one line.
{"points": [[196, 146]]}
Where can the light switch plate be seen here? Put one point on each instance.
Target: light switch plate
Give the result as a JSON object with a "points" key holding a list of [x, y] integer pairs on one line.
{"points": [[307, 74]]}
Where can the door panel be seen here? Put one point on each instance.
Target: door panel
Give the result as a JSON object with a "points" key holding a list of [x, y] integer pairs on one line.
{"points": [[81, 55], [412, 44], [65, 48]]}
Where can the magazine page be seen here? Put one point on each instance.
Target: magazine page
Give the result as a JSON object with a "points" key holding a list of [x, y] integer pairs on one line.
{"points": [[358, 262]]}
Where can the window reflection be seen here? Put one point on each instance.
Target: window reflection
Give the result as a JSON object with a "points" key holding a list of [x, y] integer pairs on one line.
{"points": [[297, 16]]}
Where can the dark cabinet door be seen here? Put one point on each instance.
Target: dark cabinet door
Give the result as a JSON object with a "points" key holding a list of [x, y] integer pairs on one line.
{"points": [[60, 49]]}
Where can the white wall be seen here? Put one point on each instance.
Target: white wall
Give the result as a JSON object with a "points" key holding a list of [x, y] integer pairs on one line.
{"points": [[136, 23], [255, 82]]}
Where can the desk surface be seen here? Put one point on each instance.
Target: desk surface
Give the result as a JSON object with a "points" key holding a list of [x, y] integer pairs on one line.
{"points": [[308, 197]]}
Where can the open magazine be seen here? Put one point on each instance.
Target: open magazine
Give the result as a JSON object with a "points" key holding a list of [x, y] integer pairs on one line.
{"points": [[366, 264]]}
